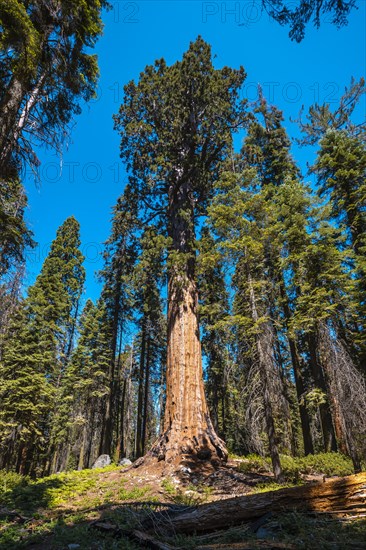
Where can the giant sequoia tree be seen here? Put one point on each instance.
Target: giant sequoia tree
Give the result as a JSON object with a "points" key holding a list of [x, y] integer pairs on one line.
{"points": [[176, 127]]}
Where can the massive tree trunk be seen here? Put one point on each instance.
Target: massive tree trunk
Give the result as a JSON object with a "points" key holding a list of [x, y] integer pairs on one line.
{"points": [[188, 433]]}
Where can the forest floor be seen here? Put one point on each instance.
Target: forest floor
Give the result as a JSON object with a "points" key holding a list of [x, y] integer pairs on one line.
{"points": [[103, 509]]}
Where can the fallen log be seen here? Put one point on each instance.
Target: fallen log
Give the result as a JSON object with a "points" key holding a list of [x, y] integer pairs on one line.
{"points": [[147, 540], [345, 495], [13, 516], [251, 545]]}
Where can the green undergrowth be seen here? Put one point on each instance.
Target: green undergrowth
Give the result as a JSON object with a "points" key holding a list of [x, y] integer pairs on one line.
{"points": [[191, 495], [300, 531], [61, 506], [329, 464], [21, 492], [57, 511], [273, 486]]}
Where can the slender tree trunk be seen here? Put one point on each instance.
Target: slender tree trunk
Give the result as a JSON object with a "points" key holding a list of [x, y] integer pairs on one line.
{"points": [[29, 461], [90, 434], [120, 446], [339, 405], [107, 431], [66, 458], [107, 427], [69, 346], [21, 459], [121, 440], [53, 466], [329, 439], [225, 407], [10, 108], [128, 450], [84, 438], [263, 367], [14, 128], [188, 431], [299, 382], [214, 387], [140, 393], [118, 426], [146, 397], [300, 392], [162, 397], [288, 437], [13, 119]]}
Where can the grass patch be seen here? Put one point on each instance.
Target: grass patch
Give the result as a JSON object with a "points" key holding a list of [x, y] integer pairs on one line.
{"points": [[192, 495], [329, 464], [59, 508], [272, 486], [50, 492], [134, 494], [254, 464], [302, 531], [306, 531]]}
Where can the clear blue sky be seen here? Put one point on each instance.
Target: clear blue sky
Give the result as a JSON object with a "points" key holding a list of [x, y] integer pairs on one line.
{"points": [[137, 33]]}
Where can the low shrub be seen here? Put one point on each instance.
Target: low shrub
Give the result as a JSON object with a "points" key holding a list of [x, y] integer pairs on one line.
{"points": [[329, 464], [254, 464]]}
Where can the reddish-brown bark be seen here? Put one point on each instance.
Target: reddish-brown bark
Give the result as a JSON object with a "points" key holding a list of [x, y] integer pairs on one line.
{"points": [[188, 433]]}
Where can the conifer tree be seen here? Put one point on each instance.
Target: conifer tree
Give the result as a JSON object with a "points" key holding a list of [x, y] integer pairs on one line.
{"points": [[340, 169], [239, 213], [14, 235], [26, 395], [63, 271], [78, 420], [267, 149], [46, 70], [214, 313], [323, 307], [147, 282], [176, 126], [36, 349], [341, 173], [298, 15], [117, 295]]}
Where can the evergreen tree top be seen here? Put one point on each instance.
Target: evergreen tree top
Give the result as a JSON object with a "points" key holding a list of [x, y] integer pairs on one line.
{"points": [[176, 124]]}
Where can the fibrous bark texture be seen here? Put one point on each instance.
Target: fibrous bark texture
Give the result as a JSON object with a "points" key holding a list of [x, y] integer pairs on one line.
{"points": [[188, 433]]}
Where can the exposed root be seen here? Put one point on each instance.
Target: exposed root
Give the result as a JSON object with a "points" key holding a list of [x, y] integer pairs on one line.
{"points": [[187, 455]]}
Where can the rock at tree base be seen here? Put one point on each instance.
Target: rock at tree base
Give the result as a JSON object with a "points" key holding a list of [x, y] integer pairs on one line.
{"points": [[125, 462], [102, 461]]}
